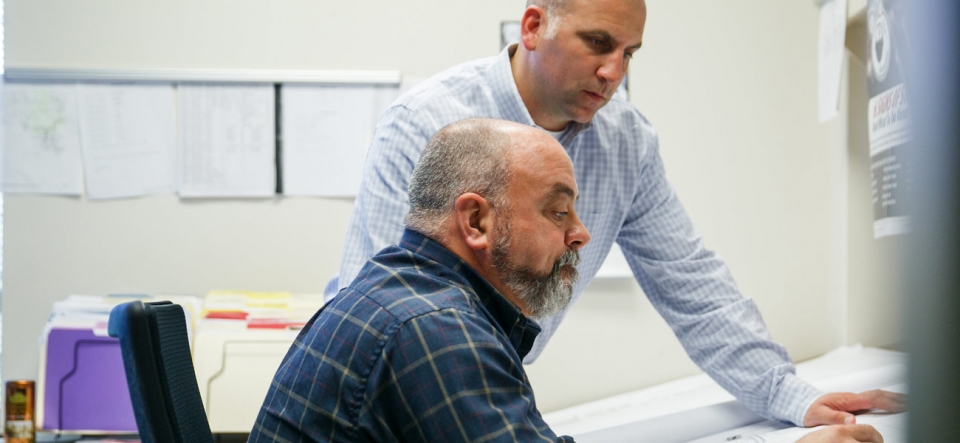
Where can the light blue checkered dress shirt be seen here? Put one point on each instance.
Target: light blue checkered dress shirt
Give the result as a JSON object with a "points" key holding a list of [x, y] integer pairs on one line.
{"points": [[624, 198]]}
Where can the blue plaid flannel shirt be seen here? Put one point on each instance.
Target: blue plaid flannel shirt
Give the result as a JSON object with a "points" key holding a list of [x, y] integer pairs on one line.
{"points": [[624, 198], [420, 348]]}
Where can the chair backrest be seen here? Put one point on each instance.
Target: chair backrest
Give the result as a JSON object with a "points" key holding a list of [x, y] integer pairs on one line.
{"points": [[160, 376]]}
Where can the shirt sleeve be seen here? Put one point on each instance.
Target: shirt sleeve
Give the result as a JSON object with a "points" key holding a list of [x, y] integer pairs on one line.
{"points": [[445, 376], [693, 290], [381, 204]]}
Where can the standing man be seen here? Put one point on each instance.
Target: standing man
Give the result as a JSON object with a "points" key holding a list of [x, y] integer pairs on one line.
{"points": [[561, 77]]}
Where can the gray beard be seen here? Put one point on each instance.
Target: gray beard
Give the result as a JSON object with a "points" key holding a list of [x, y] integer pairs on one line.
{"points": [[543, 294]]}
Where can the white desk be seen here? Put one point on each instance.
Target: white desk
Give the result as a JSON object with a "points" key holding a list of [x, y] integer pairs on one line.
{"points": [[697, 409]]}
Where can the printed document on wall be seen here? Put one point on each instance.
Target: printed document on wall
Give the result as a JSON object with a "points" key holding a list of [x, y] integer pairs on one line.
{"points": [[888, 117], [226, 140], [326, 133], [41, 141], [833, 30], [128, 135]]}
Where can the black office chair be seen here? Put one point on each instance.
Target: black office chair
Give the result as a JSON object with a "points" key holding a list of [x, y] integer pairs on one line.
{"points": [[160, 376]]}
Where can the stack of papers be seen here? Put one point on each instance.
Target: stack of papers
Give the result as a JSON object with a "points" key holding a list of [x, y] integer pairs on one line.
{"points": [[259, 310], [93, 311]]}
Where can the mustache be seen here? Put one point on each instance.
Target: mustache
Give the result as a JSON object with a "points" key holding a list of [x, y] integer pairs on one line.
{"points": [[571, 258]]}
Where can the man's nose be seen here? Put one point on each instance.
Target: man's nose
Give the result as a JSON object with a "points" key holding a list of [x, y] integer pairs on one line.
{"points": [[577, 236], [613, 69]]}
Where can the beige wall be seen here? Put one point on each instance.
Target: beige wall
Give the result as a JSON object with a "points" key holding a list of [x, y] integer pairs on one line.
{"points": [[730, 86]]}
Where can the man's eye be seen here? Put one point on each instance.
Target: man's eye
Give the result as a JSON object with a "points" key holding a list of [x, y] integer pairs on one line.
{"points": [[560, 215]]}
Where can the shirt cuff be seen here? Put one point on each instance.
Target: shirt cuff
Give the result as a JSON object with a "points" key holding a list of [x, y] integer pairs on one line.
{"points": [[792, 399]]}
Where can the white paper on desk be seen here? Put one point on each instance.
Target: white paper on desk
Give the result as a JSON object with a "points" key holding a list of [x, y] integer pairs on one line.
{"points": [[622, 410], [833, 29], [326, 133], [851, 369], [227, 140], [41, 139], [677, 427], [893, 428], [129, 138]]}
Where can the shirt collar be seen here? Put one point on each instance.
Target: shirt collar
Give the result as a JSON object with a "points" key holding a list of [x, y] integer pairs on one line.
{"points": [[507, 96], [520, 330]]}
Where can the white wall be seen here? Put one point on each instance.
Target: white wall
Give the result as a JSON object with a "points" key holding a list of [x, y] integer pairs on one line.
{"points": [[730, 86]]}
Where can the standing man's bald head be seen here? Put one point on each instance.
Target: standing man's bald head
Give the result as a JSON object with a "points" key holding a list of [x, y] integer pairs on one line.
{"points": [[556, 10], [572, 56]]}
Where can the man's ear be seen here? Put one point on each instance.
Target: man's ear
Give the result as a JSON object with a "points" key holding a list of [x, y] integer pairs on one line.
{"points": [[474, 218], [532, 26]]}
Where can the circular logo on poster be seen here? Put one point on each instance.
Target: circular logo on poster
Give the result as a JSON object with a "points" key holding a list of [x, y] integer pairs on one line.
{"points": [[880, 44]]}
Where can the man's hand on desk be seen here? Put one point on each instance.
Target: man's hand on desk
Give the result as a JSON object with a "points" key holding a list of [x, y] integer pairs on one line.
{"points": [[843, 434], [835, 408]]}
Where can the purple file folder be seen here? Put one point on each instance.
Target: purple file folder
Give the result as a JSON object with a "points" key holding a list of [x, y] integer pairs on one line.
{"points": [[85, 387]]}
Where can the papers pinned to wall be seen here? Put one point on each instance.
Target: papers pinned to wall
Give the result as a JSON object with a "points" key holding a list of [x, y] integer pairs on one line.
{"points": [[201, 140], [833, 28], [226, 140], [41, 143], [889, 117], [128, 135], [326, 132], [509, 33]]}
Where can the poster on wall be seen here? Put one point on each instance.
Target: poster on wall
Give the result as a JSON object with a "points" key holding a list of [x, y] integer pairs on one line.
{"points": [[888, 117]]}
